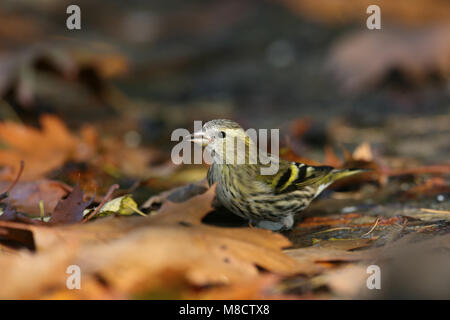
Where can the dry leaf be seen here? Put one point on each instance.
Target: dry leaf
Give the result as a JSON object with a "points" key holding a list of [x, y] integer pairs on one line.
{"points": [[25, 196], [43, 150], [363, 152], [331, 159], [430, 187], [70, 209], [288, 154], [28, 276]]}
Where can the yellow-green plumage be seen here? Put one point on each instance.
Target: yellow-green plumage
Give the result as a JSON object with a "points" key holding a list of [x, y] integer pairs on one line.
{"points": [[268, 201]]}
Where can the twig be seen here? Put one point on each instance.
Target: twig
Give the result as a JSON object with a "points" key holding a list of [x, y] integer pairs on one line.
{"points": [[5, 194], [426, 227], [106, 198], [131, 189], [333, 229], [373, 228], [435, 211]]}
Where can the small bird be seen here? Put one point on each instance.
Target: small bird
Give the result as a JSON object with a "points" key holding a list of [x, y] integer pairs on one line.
{"points": [[267, 201]]}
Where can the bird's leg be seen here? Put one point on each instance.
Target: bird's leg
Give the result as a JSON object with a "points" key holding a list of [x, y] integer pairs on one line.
{"points": [[270, 225], [288, 222], [285, 223]]}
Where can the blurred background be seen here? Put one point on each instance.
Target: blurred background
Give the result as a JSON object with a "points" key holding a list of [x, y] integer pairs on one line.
{"points": [[139, 69]]}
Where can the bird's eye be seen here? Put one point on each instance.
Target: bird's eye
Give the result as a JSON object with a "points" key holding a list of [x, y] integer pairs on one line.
{"points": [[222, 134]]}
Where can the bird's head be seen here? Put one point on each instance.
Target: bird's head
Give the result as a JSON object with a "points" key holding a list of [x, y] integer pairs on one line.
{"points": [[216, 135]]}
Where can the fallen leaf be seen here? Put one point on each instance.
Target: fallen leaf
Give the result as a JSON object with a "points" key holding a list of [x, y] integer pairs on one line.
{"points": [[430, 187], [124, 205], [288, 154], [108, 65], [44, 150], [8, 214], [119, 159], [299, 127], [331, 159], [254, 289], [28, 276], [363, 152], [25, 196], [344, 282], [70, 210]]}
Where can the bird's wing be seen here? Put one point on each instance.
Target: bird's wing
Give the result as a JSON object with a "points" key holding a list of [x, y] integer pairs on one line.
{"points": [[293, 176]]}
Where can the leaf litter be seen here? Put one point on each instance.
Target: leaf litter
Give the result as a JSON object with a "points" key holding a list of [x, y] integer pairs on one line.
{"points": [[188, 258], [111, 248]]}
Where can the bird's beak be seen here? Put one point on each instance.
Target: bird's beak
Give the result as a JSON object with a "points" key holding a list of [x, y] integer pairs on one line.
{"points": [[200, 138]]}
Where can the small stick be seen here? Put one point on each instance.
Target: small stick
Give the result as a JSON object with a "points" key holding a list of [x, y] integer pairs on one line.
{"points": [[5, 194], [333, 229], [106, 198], [435, 211], [373, 228], [131, 189]]}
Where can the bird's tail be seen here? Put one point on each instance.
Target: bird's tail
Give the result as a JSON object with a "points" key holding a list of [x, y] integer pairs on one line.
{"points": [[338, 174], [325, 175]]}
